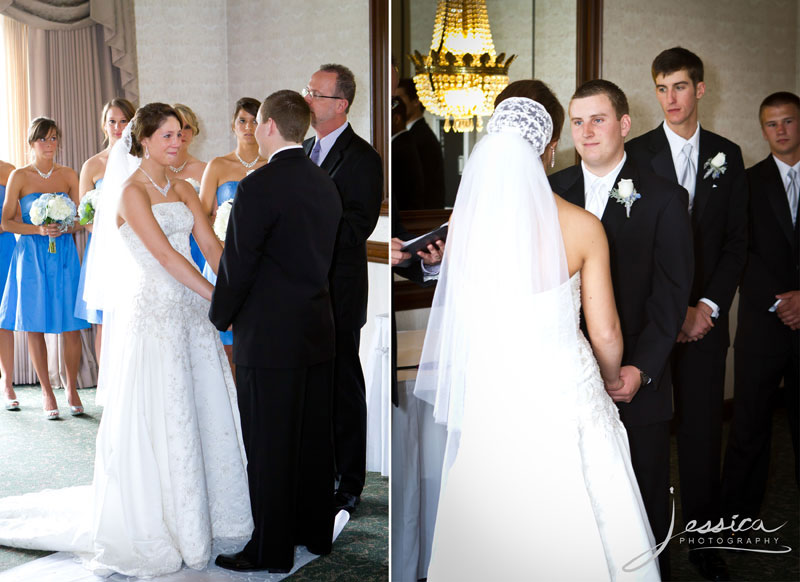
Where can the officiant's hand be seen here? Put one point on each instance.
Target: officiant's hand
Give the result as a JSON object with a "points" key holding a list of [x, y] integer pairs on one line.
{"points": [[697, 324], [631, 380], [789, 309], [433, 254], [398, 256]]}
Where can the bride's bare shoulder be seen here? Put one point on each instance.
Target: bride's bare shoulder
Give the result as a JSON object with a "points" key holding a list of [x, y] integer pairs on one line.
{"points": [[575, 217]]}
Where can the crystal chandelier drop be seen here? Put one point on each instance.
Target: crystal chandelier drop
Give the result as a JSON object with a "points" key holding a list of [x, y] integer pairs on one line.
{"points": [[461, 76]]}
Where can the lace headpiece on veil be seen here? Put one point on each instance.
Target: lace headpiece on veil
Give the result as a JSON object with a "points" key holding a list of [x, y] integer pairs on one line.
{"points": [[495, 313]]}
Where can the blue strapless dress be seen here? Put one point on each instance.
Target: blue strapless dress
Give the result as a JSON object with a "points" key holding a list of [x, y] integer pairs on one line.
{"points": [[81, 311], [7, 243], [41, 287], [225, 192], [197, 254]]}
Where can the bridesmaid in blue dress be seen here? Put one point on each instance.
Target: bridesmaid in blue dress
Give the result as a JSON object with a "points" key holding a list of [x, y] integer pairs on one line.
{"points": [[39, 296], [115, 117], [7, 244], [223, 174], [189, 168]]}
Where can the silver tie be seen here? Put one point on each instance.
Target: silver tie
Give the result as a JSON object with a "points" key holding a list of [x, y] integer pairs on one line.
{"points": [[792, 193], [315, 152], [689, 174]]}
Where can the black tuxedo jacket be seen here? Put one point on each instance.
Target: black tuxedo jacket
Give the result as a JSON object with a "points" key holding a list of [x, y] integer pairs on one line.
{"points": [[719, 220], [273, 276], [772, 264], [357, 171], [430, 154], [408, 181], [651, 268]]}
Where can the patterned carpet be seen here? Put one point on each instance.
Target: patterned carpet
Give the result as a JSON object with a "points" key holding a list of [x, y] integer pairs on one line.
{"points": [[38, 454]]}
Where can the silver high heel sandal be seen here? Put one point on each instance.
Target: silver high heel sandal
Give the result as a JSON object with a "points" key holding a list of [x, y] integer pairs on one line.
{"points": [[12, 404]]}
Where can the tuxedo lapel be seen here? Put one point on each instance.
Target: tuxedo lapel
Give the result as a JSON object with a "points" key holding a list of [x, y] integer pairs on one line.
{"points": [[308, 145], [703, 186], [335, 156], [575, 192], [615, 215], [661, 160], [775, 192]]}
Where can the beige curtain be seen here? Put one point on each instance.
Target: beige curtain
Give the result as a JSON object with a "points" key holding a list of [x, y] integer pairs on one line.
{"points": [[15, 37]]}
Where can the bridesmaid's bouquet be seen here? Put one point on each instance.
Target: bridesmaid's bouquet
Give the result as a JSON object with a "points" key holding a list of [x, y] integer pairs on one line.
{"points": [[53, 209], [221, 221], [88, 206]]}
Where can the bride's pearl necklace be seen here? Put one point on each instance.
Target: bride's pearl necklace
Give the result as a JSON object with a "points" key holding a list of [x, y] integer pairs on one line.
{"points": [[163, 190], [178, 170], [247, 165], [42, 174]]}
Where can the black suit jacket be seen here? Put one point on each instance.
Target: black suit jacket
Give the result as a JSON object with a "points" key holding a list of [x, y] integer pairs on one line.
{"points": [[772, 264], [273, 276], [651, 268], [430, 154], [408, 181], [357, 171], [719, 220]]}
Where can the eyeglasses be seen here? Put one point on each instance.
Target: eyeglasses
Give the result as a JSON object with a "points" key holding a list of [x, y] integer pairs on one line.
{"points": [[306, 92]]}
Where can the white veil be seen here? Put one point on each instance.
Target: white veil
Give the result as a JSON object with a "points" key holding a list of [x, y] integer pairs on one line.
{"points": [[498, 316], [110, 264]]}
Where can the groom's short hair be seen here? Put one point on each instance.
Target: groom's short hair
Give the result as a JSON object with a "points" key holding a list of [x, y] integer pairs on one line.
{"points": [[678, 59], [607, 88], [290, 112]]}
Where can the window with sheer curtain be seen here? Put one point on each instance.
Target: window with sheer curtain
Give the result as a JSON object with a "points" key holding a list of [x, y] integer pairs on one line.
{"points": [[14, 102]]}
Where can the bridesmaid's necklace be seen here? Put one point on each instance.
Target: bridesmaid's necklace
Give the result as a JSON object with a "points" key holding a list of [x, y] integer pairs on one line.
{"points": [[179, 169], [48, 174], [163, 190], [247, 165]]}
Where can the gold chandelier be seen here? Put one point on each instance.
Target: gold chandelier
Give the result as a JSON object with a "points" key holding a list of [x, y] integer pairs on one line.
{"points": [[461, 76]]}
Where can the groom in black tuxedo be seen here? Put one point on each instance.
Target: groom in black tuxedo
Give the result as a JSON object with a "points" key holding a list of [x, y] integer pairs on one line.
{"points": [[272, 286], [357, 171], [651, 268], [711, 169]]}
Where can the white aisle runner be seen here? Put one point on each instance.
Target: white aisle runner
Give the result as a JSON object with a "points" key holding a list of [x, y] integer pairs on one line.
{"points": [[65, 567]]}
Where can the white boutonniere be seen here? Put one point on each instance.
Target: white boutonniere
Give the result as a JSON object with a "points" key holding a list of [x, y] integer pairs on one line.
{"points": [[625, 194], [715, 166]]}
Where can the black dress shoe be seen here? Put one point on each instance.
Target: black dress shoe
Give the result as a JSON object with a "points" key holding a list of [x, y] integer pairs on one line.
{"points": [[241, 563], [709, 564], [346, 501]]}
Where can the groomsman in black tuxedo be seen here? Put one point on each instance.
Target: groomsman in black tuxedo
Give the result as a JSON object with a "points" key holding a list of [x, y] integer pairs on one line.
{"points": [[357, 171], [273, 286], [651, 268], [428, 146], [711, 169], [767, 349]]}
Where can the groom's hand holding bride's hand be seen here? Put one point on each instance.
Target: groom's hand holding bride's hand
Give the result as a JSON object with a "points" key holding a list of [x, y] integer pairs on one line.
{"points": [[630, 379]]}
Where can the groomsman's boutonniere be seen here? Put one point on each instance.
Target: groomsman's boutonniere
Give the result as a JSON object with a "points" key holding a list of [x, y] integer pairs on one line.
{"points": [[715, 166], [625, 194]]}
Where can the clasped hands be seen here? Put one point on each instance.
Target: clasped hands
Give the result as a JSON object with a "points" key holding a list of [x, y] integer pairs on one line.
{"points": [[53, 230], [697, 324], [432, 256], [788, 309], [624, 388]]}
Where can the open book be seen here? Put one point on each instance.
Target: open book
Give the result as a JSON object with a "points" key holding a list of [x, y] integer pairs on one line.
{"points": [[422, 242]]}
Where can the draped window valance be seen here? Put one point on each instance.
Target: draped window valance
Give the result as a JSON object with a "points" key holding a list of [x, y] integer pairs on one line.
{"points": [[115, 16]]}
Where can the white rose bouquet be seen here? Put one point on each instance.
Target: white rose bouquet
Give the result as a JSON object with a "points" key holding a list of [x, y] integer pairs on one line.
{"points": [[53, 209], [625, 194], [221, 221], [88, 207]]}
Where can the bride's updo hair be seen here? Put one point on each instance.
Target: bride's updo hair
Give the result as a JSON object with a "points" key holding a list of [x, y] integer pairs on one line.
{"points": [[525, 117], [40, 127], [147, 120], [539, 92]]}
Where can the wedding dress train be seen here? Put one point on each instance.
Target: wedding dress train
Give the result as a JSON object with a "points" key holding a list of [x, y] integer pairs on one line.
{"points": [[169, 474]]}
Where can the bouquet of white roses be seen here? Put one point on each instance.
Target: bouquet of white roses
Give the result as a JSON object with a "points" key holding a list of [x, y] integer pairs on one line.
{"points": [[221, 221], [88, 206], [53, 209]]}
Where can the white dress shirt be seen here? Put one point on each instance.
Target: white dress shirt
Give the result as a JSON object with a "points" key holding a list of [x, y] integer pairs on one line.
{"points": [[676, 144], [597, 188]]}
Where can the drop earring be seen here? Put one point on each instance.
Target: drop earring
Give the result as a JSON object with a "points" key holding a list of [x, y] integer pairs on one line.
{"points": [[146, 153], [552, 156]]}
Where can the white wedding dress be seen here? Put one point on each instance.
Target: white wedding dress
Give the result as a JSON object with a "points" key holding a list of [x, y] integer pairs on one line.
{"points": [[170, 469]]}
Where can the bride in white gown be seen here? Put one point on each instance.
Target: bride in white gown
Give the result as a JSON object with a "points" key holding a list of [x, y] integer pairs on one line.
{"points": [[537, 483], [169, 471]]}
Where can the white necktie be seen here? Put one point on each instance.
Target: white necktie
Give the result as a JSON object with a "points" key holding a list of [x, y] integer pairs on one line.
{"points": [[792, 194], [315, 152], [689, 174], [596, 199]]}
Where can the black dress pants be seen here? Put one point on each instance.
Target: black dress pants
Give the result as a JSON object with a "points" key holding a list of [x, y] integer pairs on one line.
{"points": [[286, 426]]}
